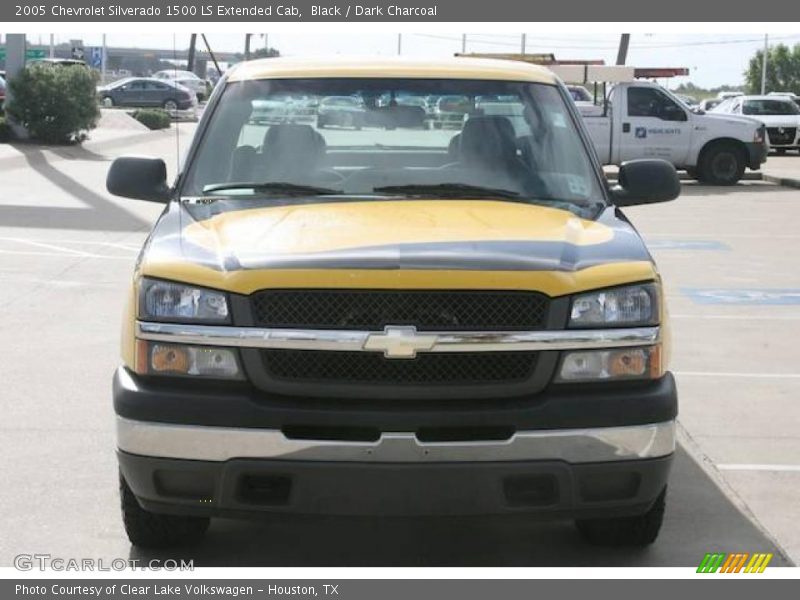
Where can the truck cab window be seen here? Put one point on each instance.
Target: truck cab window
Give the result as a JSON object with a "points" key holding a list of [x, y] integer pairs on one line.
{"points": [[650, 102]]}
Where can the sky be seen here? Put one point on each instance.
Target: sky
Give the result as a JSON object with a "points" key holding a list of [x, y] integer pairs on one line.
{"points": [[713, 59]]}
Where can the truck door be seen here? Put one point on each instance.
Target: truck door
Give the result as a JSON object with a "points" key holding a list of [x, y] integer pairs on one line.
{"points": [[653, 125]]}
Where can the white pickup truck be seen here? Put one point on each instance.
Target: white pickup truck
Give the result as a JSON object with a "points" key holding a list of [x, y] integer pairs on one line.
{"points": [[643, 120]]}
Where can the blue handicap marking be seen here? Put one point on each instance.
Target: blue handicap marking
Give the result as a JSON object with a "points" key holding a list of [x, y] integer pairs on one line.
{"points": [[686, 245], [743, 296]]}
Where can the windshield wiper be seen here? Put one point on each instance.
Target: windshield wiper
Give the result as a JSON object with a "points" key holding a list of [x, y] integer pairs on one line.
{"points": [[276, 187], [448, 190]]}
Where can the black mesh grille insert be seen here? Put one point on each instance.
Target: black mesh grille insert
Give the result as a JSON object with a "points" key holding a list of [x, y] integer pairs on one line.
{"points": [[426, 310], [781, 135], [455, 368]]}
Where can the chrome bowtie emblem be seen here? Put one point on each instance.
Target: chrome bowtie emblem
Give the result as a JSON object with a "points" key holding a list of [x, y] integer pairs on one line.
{"points": [[399, 342]]}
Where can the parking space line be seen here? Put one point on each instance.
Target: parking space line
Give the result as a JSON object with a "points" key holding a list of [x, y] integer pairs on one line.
{"points": [[758, 467], [63, 254], [734, 374], [739, 317], [50, 247]]}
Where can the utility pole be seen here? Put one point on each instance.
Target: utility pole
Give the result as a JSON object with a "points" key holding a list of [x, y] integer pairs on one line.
{"points": [[764, 65], [103, 58], [522, 45], [622, 53], [52, 45], [190, 57], [247, 46], [399, 44], [463, 43]]}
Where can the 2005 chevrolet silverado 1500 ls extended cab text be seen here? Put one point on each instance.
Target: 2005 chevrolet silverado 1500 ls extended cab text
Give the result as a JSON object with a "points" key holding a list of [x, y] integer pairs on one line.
{"points": [[397, 319]]}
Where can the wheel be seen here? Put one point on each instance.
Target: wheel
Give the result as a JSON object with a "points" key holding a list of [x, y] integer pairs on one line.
{"points": [[722, 164], [107, 102], [321, 123], [150, 530], [692, 172], [170, 105], [641, 530]]}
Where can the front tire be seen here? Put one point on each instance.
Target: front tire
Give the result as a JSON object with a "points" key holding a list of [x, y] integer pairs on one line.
{"points": [[641, 530], [107, 102], [722, 164], [151, 530], [170, 105]]}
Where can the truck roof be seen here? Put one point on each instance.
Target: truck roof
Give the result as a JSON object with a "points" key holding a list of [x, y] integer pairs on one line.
{"points": [[446, 68]]}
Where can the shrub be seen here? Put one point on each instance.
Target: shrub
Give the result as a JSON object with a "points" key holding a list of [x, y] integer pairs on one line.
{"points": [[153, 118], [5, 130], [56, 104]]}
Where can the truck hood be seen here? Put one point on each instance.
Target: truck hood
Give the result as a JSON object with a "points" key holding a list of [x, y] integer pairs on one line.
{"points": [[732, 119], [416, 243], [779, 120]]}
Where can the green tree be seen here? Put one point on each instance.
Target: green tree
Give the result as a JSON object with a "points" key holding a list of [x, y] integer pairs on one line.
{"points": [[56, 104], [783, 70]]}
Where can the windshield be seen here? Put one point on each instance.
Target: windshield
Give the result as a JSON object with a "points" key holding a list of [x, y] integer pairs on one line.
{"points": [[770, 107], [394, 137]]}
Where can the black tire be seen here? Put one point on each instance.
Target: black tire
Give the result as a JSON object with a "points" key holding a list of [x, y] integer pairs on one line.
{"points": [[150, 530], [107, 102], [722, 163], [321, 123], [641, 530], [170, 104]]}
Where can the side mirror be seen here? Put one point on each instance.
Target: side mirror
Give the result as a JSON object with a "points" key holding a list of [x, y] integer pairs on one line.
{"points": [[646, 181], [138, 177]]}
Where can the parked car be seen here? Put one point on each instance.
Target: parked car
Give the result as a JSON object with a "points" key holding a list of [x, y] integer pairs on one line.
{"points": [[449, 111], [322, 325], [341, 111], [709, 104], [147, 92], [584, 100], [283, 108], [779, 113], [689, 101], [176, 74], [794, 97]]}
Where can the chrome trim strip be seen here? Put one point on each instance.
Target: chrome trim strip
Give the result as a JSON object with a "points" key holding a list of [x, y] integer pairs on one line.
{"points": [[196, 442], [406, 340]]}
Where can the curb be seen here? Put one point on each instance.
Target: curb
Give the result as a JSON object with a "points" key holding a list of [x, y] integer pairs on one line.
{"points": [[791, 182]]}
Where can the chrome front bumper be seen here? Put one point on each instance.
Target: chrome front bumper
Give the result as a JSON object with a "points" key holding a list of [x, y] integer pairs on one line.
{"points": [[591, 445]]}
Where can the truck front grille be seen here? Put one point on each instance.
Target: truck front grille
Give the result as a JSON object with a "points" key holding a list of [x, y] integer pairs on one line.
{"points": [[781, 136], [427, 310], [455, 368]]}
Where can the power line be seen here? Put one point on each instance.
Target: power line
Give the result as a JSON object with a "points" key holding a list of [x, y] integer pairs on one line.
{"points": [[515, 44]]}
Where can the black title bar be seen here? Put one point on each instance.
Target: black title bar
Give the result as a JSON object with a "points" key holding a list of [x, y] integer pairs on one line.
{"points": [[401, 11]]}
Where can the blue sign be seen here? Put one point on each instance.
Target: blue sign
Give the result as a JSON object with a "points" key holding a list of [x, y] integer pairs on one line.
{"points": [[743, 296], [96, 57], [686, 245]]}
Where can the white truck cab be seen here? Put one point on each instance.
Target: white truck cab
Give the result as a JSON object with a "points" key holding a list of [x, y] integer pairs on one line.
{"points": [[640, 119]]}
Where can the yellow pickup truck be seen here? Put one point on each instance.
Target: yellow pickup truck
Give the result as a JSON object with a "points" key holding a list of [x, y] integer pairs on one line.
{"points": [[381, 317]]}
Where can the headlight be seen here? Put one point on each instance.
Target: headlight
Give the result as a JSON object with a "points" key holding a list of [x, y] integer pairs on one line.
{"points": [[615, 364], [156, 358], [625, 306], [167, 301]]}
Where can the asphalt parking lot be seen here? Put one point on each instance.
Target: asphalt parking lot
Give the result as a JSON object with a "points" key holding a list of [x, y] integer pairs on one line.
{"points": [[67, 248]]}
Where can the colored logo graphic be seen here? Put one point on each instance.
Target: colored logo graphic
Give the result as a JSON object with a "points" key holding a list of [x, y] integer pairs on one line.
{"points": [[641, 132], [739, 562]]}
